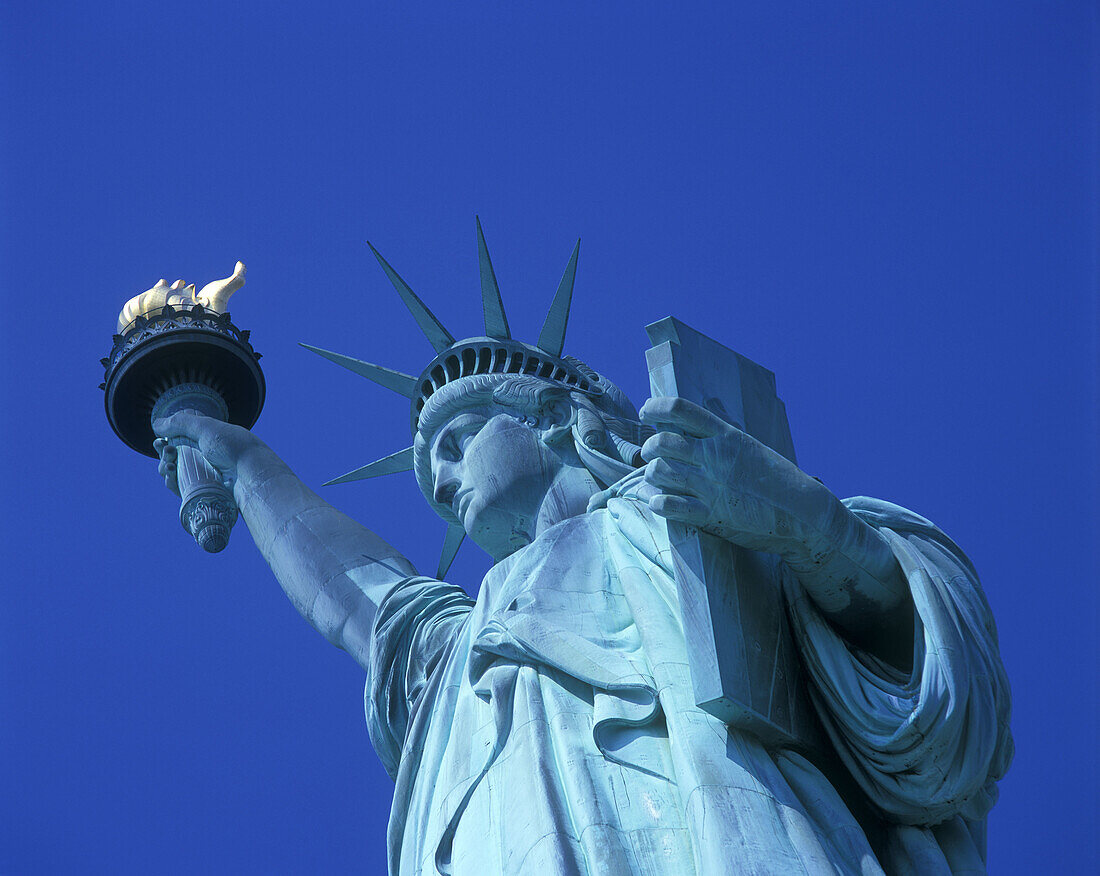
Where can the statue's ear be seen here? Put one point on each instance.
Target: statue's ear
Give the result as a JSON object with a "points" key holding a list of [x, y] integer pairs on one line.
{"points": [[560, 416]]}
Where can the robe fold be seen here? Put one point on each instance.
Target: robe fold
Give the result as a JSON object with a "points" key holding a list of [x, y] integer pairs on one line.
{"points": [[549, 726]]}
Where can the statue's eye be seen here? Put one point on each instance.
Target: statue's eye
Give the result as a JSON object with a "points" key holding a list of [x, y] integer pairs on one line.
{"points": [[450, 449], [452, 445], [465, 437]]}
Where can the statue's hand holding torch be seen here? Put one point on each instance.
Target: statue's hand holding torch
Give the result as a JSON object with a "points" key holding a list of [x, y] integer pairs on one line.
{"points": [[180, 362], [199, 455]]}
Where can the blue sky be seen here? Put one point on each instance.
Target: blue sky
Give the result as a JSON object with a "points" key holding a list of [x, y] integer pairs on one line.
{"points": [[893, 208]]}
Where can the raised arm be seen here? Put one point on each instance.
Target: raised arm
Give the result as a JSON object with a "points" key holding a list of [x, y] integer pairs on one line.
{"points": [[710, 474], [335, 571]]}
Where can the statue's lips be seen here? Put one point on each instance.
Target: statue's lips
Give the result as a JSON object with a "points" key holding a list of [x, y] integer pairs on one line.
{"points": [[461, 502]]}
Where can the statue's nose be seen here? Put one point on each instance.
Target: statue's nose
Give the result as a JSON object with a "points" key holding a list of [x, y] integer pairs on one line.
{"points": [[446, 485]]}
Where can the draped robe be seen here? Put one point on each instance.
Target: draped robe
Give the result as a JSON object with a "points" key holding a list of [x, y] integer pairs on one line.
{"points": [[549, 726]]}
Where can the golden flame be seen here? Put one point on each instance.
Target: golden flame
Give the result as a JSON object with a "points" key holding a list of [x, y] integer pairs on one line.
{"points": [[213, 296]]}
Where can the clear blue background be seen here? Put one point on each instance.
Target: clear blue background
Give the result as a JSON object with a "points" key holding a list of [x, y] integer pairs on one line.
{"points": [[891, 206]]}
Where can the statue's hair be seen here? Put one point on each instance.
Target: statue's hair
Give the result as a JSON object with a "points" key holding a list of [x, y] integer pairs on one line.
{"points": [[606, 432], [527, 394]]}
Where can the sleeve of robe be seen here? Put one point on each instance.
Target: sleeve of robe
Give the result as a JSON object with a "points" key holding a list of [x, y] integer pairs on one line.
{"points": [[931, 744], [414, 631]]}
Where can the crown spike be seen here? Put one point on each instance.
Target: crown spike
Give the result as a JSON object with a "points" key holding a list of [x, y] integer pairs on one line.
{"points": [[395, 462], [496, 322], [432, 328], [451, 542], [552, 337], [404, 384]]}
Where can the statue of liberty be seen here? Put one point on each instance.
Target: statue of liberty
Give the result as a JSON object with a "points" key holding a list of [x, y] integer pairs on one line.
{"points": [[550, 726]]}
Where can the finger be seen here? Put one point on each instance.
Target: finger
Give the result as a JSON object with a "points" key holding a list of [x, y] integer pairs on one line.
{"points": [[679, 413], [181, 425], [675, 477], [683, 508], [669, 445], [599, 500], [167, 469]]}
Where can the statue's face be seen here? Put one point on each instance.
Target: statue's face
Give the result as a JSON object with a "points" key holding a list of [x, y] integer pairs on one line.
{"points": [[494, 471]]}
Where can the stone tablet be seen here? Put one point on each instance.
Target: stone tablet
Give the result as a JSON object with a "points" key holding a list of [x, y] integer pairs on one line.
{"points": [[744, 669]]}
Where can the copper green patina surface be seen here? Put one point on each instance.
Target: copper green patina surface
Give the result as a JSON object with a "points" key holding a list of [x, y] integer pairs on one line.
{"points": [[689, 655]]}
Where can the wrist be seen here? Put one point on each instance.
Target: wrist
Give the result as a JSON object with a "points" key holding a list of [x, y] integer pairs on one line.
{"points": [[809, 523], [841, 555], [256, 464]]}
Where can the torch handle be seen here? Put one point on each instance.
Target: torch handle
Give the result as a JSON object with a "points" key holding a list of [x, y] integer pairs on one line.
{"points": [[207, 508]]}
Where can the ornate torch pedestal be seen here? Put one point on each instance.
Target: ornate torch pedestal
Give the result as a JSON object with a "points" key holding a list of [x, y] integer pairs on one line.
{"points": [[177, 351]]}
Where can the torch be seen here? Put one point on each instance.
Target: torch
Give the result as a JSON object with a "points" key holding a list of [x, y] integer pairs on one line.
{"points": [[174, 351]]}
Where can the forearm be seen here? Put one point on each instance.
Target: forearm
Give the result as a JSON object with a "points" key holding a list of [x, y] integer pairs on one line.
{"points": [[715, 476], [334, 570], [851, 573]]}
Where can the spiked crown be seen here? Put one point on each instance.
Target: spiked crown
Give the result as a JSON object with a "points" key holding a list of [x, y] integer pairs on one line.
{"points": [[495, 352]]}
